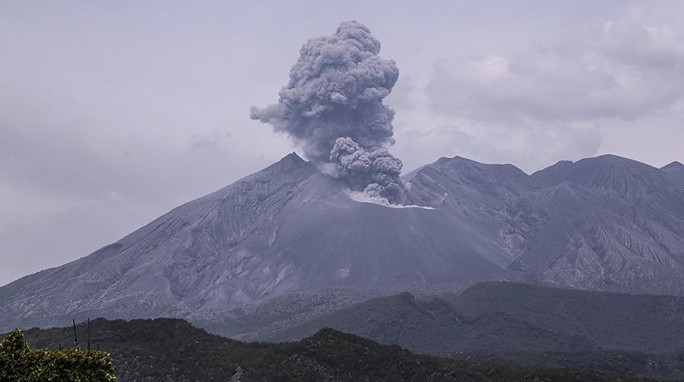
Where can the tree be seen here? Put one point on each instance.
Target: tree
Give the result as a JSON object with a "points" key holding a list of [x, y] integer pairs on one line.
{"points": [[20, 363]]}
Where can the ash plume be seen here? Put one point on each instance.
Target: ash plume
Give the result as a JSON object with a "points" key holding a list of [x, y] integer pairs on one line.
{"points": [[332, 107]]}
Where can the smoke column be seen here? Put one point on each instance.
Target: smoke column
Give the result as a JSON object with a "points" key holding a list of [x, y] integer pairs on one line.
{"points": [[332, 107]]}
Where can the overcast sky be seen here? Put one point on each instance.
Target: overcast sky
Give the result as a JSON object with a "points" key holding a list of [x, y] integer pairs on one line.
{"points": [[114, 112]]}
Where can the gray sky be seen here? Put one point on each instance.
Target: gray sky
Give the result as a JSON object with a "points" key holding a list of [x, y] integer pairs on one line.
{"points": [[113, 112]]}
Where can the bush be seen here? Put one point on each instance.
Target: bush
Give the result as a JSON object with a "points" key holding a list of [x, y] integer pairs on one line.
{"points": [[20, 363]]}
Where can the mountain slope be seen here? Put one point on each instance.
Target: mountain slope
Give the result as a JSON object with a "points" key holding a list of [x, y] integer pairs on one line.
{"points": [[511, 317], [284, 229], [178, 257], [613, 224], [435, 326], [605, 223], [483, 198]]}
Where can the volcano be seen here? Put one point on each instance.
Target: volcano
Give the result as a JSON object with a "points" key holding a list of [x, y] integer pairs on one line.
{"points": [[605, 223]]}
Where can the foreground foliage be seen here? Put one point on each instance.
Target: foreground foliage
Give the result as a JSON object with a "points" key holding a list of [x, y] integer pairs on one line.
{"points": [[20, 363], [174, 350]]}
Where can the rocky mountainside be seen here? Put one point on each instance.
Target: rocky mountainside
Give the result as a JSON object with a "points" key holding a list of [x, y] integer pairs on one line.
{"points": [[611, 224], [286, 228], [605, 223]]}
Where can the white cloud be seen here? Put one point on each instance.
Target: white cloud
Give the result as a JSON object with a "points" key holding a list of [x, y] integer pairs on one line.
{"points": [[555, 100], [630, 41], [631, 71]]}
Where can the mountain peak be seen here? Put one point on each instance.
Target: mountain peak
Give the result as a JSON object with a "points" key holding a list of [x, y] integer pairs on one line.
{"points": [[286, 165], [675, 172], [551, 173], [608, 172], [431, 184], [612, 159], [673, 166], [292, 157], [608, 157], [290, 160], [459, 161]]}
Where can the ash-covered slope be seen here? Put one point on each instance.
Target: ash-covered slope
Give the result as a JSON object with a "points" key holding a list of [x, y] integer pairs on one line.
{"points": [[482, 200], [605, 223], [176, 263], [610, 223], [286, 228]]}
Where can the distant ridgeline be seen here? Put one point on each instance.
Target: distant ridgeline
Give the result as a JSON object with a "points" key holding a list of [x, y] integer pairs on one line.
{"points": [[174, 350], [18, 362]]}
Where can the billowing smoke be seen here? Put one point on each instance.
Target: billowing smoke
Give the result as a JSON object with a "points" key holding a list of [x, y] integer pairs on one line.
{"points": [[333, 108]]}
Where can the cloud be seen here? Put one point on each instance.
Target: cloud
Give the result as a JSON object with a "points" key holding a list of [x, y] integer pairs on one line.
{"points": [[551, 100], [630, 41], [530, 145], [563, 83]]}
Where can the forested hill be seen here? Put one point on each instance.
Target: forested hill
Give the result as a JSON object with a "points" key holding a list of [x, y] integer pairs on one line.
{"points": [[174, 350]]}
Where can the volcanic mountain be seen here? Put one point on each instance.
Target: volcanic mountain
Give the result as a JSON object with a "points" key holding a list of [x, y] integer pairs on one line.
{"points": [[605, 223]]}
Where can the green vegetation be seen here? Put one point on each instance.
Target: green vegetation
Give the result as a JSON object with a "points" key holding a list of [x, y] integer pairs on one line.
{"points": [[20, 363], [525, 325], [490, 332], [170, 349], [664, 366]]}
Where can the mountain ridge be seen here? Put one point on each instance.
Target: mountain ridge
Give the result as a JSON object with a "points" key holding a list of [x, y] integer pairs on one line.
{"points": [[675, 171], [511, 317], [605, 223]]}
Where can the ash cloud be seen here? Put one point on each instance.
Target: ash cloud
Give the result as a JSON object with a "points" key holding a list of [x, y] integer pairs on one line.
{"points": [[332, 107]]}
